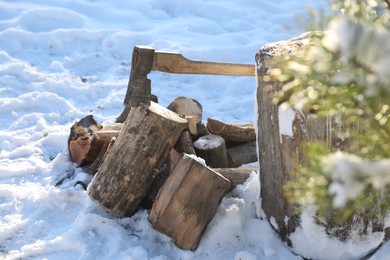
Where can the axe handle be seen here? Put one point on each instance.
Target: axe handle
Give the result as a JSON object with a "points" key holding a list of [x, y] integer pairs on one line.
{"points": [[177, 63]]}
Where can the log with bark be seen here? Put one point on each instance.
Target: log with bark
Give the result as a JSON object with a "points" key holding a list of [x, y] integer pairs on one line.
{"points": [[84, 144], [236, 176], [242, 154], [212, 149], [141, 148], [239, 133], [187, 202], [281, 153]]}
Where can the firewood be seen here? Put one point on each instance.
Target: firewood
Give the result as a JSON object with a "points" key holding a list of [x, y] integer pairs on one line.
{"points": [[212, 149], [93, 168], [185, 144], [142, 146], [83, 142], [187, 107], [187, 202], [236, 176], [239, 133], [242, 154]]}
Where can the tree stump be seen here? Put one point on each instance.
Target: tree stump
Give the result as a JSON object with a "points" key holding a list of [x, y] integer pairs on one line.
{"points": [[280, 149], [141, 148], [212, 149], [187, 202], [281, 139]]}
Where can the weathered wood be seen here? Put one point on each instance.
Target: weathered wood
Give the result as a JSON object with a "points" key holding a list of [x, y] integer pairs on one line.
{"points": [[174, 158], [192, 125], [187, 107], [212, 149], [239, 133], [242, 154], [177, 63], [94, 167], [187, 202], [142, 146], [158, 182], [185, 144], [283, 137], [83, 142], [279, 152], [236, 176]]}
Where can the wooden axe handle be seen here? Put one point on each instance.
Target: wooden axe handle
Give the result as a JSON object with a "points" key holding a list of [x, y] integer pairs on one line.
{"points": [[177, 63]]}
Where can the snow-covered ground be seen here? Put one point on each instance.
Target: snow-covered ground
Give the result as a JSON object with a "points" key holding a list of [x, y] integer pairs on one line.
{"points": [[63, 60]]}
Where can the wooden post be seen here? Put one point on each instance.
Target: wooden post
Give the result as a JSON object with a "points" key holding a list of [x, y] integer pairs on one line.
{"points": [[212, 149], [141, 148], [187, 202]]}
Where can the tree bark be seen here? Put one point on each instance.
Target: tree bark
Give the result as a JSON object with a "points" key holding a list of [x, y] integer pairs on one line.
{"points": [[212, 149], [141, 148], [185, 144], [239, 133], [187, 202], [83, 143], [242, 154], [236, 176], [279, 152]]}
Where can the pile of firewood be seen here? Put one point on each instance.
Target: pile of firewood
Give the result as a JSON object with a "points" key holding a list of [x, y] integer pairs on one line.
{"points": [[151, 159]]}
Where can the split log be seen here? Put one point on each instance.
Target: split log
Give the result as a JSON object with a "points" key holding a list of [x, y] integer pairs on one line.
{"points": [[239, 133], [242, 154], [187, 202], [141, 148], [94, 167], [174, 158], [236, 176], [83, 143], [187, 107], [185, 144], [212, 149], [192, 124]]}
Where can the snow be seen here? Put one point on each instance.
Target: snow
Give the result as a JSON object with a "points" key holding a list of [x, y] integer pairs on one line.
{"points": [[63, 60], [352, 174]]}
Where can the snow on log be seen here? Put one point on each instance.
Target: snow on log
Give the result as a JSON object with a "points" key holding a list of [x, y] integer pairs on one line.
{"points": [[141, 148], [212, 149], [187, 202]]}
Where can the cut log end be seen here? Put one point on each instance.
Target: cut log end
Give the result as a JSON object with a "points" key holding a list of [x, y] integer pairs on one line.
{"points": [[212, 149]]}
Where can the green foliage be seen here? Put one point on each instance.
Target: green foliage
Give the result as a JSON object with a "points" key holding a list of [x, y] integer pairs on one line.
{"points": [[345, 89]]}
